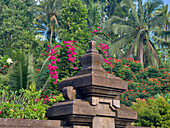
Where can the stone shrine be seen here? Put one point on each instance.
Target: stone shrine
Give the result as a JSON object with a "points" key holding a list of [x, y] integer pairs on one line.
{"points": [[92, 97]]}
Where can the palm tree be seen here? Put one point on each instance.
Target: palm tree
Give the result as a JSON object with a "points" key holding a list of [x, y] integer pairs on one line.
{"points": [[94, 15], [134, 32], [47, 17], [21, 73], [162, 30]]}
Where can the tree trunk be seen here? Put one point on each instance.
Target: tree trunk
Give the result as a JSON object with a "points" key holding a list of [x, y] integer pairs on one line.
{"points": [[51, 33], [141, 52], [165, 29]]}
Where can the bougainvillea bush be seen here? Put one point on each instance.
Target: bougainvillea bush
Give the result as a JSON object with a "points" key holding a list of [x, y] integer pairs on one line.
{"points": [[25, 104], [142, 82], [64, 60], [152, 112]]}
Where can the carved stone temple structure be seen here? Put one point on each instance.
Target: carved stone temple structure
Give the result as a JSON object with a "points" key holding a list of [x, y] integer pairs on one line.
{"points": [[92, 97]]}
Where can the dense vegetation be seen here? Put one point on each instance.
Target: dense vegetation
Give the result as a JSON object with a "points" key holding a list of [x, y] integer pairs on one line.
{"points": [[42, 42]]}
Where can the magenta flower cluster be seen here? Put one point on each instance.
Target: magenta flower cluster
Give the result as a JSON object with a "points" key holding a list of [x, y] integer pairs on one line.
{"points": [[53, 57], [72, 52], [51, 67], [104, 48]]}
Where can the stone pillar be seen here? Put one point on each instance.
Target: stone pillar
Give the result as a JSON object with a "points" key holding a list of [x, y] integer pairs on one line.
{"points": [[92, 97]]}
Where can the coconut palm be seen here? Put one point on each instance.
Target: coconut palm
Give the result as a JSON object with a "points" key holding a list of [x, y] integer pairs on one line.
{"points": [[47, 17], [162, 30], [94, 16], [134, 32]]}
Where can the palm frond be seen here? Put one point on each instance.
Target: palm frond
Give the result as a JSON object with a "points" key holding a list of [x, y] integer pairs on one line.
{"points": [[161, 41], [21, 72], [153, 52], [43, 75], [132, 6], [118, 43], [117, 19]]}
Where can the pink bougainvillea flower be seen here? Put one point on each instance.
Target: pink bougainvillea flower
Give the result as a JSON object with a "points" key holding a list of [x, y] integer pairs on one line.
{"points": [[74, 58], [69, 55], [73, 53], [49, 65], [105, 52], [55, 76], [105, 60], [54, 67], [53, 62], [69, 45], [99, 27], [55, 72], [55, 82], [57, 46], [65, 42], [43, 54], [37, 99], [53, 58], [74, 68], [58, 59]]}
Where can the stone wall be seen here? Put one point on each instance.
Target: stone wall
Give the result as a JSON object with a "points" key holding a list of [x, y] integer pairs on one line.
{"points": [[29, 123]]}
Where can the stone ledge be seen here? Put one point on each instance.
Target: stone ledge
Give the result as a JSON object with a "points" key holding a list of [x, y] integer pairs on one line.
{"points": [[29, 123]]}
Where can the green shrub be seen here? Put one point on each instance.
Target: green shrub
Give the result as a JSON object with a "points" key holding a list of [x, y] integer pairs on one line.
{"points": [[29, 104], [152, 112]]}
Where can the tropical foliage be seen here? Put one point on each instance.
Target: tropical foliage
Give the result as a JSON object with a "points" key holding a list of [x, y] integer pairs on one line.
{"points": [[42, 42], [134, 32], [142, 82], [30, 104], [155, 109]]}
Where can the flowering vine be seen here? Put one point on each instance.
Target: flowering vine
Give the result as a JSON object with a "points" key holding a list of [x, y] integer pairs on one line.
{"points": [[54, 57]]}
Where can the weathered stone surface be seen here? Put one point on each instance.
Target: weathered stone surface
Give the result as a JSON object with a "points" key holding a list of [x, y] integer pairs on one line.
{"points": [[125, 115], [69, 93], [75, 111], [103, 122], [74, 107], [22, 123]]}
